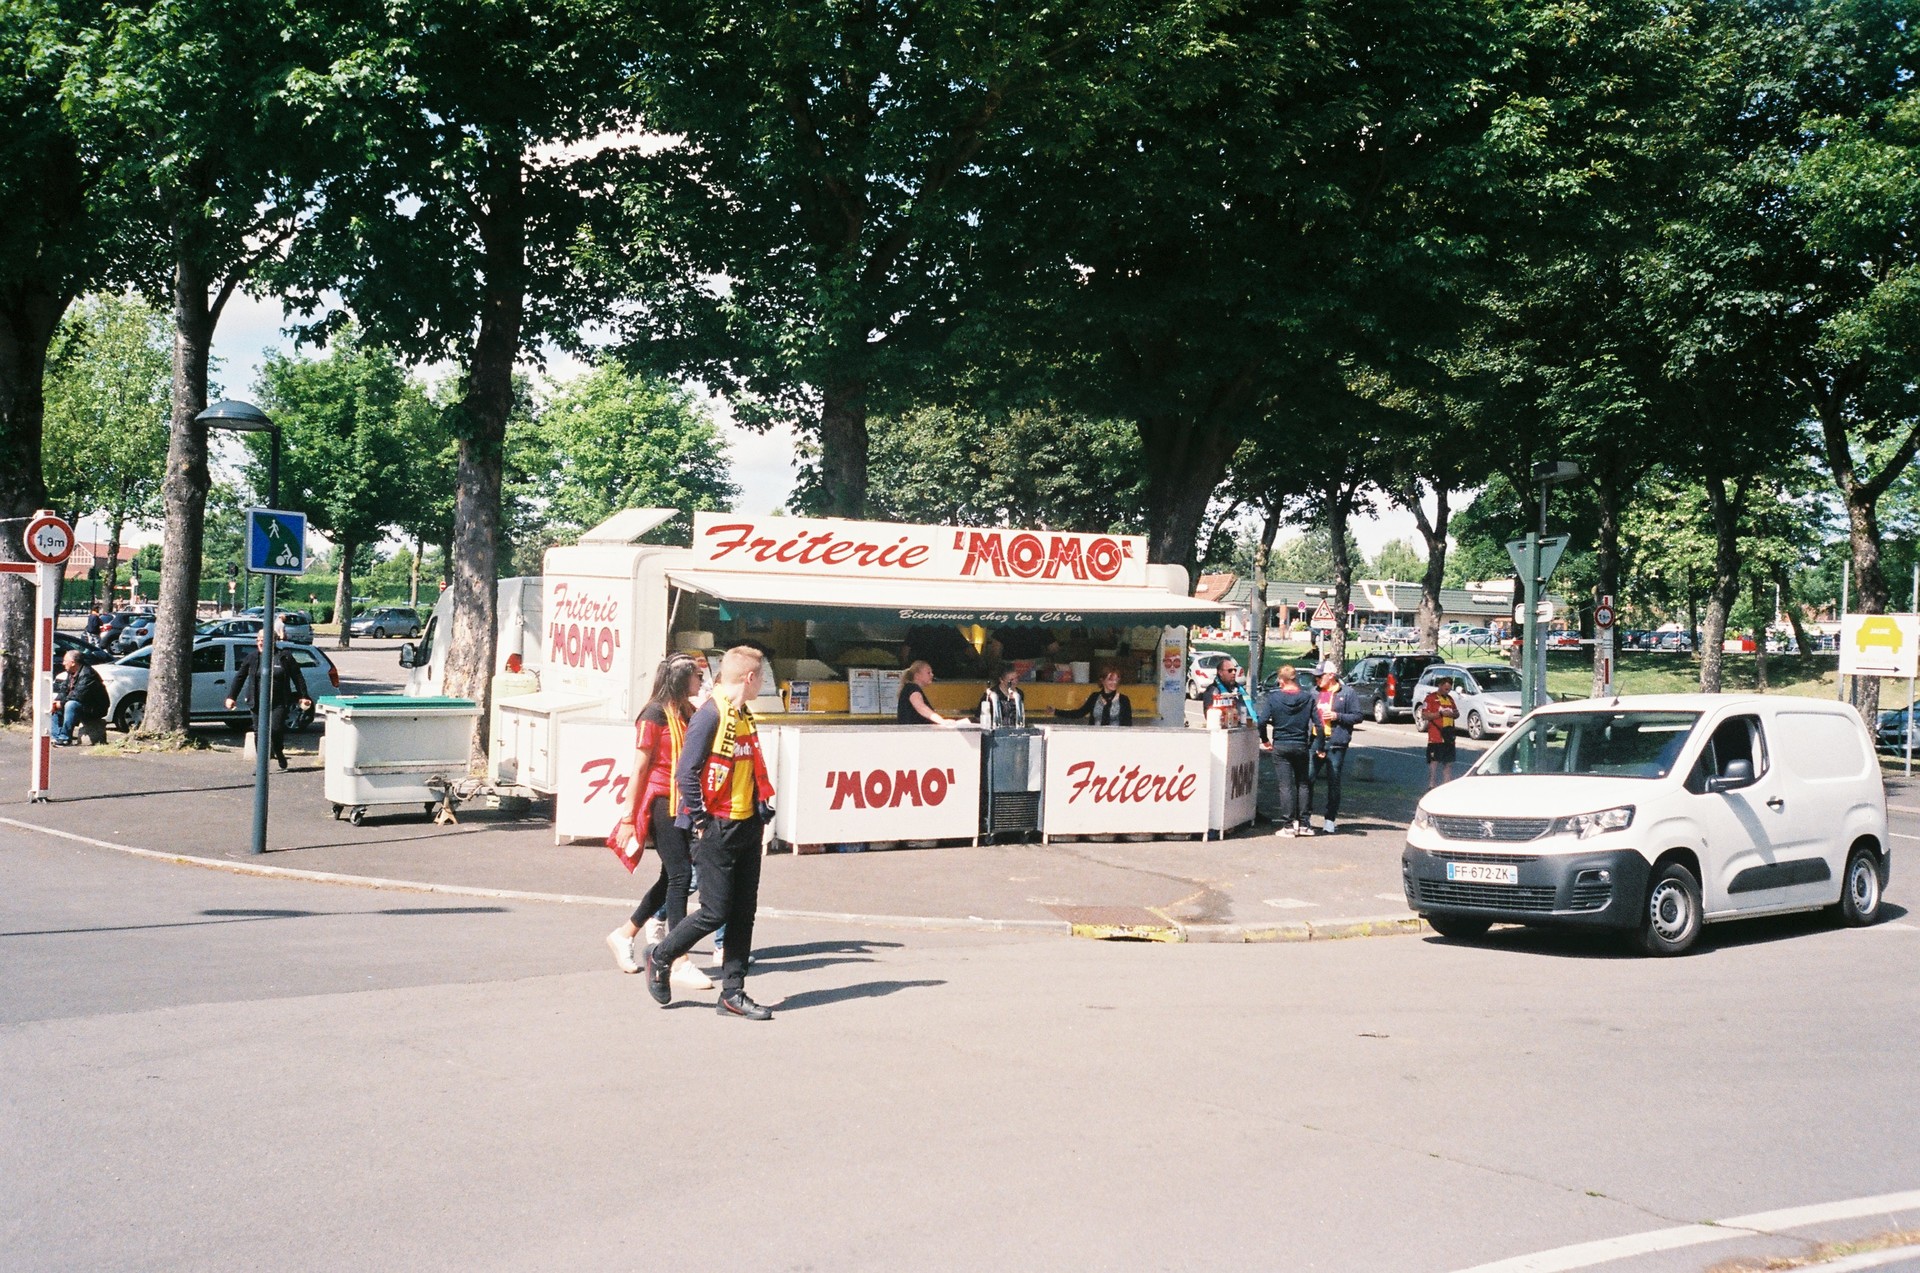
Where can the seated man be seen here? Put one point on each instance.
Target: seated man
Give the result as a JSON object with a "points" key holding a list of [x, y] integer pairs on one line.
{"points": [[83, 697]]}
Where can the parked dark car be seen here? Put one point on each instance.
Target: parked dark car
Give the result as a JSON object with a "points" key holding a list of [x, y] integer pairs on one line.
{"points": [[1387, 680], [400, 621], [64, 641]]}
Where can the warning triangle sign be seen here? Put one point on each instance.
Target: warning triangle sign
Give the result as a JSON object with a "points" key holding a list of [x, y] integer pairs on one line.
{"points": [[1324, 610]]}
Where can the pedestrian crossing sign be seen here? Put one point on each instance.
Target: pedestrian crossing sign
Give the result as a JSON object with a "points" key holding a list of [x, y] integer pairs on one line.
{"points": [[276, 542]]}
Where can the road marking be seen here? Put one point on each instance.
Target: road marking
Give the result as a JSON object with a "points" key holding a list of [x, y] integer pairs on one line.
{"points": [[1585, 1255], [1289, 903], [1898, 836], [1391, 897], [1902, 808], [1869, 1260]]}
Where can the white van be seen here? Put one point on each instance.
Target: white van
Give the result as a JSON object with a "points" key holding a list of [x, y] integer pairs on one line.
{"points": [[1657, 814]]}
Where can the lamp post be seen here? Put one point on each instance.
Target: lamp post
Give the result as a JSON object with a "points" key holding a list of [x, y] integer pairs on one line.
{"points": [[1533, 681], [244, 417]]}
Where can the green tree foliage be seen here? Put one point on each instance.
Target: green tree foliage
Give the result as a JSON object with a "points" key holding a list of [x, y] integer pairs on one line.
{"points": [[107, 393], [1397, 560], [610, 440], [824, 200], [1025, 467], [346, 418], [58, 237]]}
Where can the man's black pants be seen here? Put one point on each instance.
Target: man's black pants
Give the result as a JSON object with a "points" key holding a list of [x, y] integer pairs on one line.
{"points": [[1331, 765], [1296, 785], [276, 728], [728, 858]]}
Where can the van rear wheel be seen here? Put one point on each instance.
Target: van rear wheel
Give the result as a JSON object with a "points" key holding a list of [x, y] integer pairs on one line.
{"points": [[1861, 889], [1670, 924], [1380, 710]]}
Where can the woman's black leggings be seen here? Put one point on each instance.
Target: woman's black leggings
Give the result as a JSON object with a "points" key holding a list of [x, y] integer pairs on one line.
{"points": [[676, 869]]}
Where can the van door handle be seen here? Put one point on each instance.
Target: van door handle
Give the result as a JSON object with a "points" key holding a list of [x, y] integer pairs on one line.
{"points": [[1776, 804]]}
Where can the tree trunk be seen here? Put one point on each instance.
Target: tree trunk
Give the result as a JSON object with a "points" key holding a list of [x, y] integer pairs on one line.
{"points": [[29, 316], [1434, 532], [343, 592], [1762, 623], [112, 571], [413, 574], [1185, 465], [1342, 577], [1606, 567], [184, 489], [1257, 633], [485, 409], [843, 449], [1725, 507], [1801, 643], [1869, 585]]}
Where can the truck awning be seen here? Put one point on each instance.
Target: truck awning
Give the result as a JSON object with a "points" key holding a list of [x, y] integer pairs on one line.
{"points": [[941, 601]]}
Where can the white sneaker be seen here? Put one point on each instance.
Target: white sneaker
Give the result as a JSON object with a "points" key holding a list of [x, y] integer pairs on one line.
{"points": [[1304, 829], [656, 931], [1284, 831], [687, 977], [622, 947], [1328, 825]]}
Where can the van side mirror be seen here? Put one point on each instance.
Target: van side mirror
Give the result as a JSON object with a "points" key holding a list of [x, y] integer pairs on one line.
{"points": [[1739, 774], [408, 653]]}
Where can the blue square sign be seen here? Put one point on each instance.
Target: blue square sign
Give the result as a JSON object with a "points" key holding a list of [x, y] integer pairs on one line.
{"points": [[276, 542]]}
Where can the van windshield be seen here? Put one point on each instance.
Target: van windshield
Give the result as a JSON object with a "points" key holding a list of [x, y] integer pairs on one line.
{"points": [[1598, 744]]}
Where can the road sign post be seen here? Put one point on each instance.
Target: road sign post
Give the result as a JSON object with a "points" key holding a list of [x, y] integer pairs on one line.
{"points": [[1533, 560], [1603, 618], [276, 545], [49, 542]]}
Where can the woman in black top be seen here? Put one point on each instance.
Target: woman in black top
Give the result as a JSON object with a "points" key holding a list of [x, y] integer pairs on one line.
{"points": [[1105, 706], [913, 708]]}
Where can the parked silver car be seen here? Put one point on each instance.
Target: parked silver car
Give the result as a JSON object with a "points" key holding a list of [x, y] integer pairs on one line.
{"points": [[216, 661]]}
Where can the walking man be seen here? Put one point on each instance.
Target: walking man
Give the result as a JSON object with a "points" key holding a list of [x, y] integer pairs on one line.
{"points": [[1292, 724], [1340, 711], [725, 797], [288, 685]]}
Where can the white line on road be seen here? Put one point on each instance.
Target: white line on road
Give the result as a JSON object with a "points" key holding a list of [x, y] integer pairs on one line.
{"points": [[1290, 903], [1902, 808], [1898, 836], [1587, 1254], [1870, 1260]]}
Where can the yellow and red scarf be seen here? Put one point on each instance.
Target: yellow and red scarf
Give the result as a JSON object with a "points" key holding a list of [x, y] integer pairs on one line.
{"points": [[735, 779]]}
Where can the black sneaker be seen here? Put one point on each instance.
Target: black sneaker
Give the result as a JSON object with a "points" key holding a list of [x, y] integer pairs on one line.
{"points": [[734, 1003], [657, 973]]}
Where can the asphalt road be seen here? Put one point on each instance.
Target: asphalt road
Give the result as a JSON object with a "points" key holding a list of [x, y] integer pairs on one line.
{"points": [[208, 1071]]}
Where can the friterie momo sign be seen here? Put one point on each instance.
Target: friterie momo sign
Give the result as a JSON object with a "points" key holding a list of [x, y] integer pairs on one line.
{"points": [[892, 550]]}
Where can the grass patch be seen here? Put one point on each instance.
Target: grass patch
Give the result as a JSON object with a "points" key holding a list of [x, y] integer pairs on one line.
{"points": [[136, 744]]}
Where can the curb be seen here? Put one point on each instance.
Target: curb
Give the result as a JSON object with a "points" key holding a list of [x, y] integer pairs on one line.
{"points": [[1327, 930], [1405, 922], [928, 922]]}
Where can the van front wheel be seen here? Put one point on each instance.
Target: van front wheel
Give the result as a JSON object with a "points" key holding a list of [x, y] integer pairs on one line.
{"points": [[1671, 922], [1860, 894]]}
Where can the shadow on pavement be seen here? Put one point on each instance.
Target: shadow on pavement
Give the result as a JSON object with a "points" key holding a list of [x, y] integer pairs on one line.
{"points": [[852, 947], [865, 990], [246, 916], [1617, 943]]}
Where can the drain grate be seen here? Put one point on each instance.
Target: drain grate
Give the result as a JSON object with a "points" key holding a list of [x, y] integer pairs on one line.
{"points": [[1118, 923]]}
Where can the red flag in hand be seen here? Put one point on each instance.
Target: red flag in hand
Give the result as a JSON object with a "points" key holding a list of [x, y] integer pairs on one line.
{"points": [[628, 850]]}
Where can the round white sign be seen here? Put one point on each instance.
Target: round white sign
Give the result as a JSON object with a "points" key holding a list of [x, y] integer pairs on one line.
{"points": [[49, 539]]}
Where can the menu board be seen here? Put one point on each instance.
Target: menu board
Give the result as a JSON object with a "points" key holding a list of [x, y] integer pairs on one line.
{"points": [[863, 691]]}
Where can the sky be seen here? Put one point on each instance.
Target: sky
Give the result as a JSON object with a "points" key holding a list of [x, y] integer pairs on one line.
{"points": [[251, 328]]}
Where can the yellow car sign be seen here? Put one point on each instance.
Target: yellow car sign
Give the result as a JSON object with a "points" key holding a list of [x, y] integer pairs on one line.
{"points": [[1879, 645]]}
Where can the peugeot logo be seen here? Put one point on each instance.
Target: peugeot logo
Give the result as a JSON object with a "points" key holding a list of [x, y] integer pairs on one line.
{"points": [[1486, 829]]}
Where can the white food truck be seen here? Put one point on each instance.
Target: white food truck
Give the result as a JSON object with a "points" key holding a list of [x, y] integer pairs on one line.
{"points": [[841, 607]]}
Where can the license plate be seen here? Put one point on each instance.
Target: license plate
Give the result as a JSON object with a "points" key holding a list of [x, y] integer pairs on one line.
{"points": [[1483, 873]]}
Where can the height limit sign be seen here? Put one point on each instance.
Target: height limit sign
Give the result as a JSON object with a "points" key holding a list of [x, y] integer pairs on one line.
{"points": [[276, 542]]}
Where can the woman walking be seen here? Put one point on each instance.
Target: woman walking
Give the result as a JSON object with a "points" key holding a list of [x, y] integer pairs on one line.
{"points": [[652, 806]]}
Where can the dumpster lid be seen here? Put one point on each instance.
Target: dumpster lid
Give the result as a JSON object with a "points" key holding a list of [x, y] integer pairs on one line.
{"points": [[437, 704]]}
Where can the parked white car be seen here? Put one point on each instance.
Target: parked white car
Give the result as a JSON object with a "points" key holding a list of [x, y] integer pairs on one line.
{"points": [[1487, 694], [1656, 815], [216, 661], [1203, 669]]}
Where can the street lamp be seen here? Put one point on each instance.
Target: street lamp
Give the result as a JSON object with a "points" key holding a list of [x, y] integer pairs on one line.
{"points": [[1547, 474], [244, 417]]}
